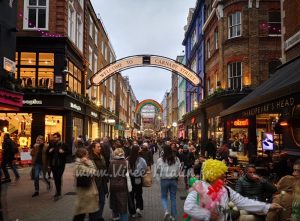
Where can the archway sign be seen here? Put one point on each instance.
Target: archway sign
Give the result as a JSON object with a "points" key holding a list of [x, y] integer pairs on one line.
{"points": [[148, 102], [144, 61]]}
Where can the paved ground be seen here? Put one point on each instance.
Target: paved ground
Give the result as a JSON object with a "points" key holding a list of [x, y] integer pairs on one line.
{"points": [[20, 206]]}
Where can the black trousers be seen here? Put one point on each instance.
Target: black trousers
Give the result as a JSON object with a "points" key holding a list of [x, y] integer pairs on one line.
{"points": [[81, 217], [57, 175], [136, 196]]}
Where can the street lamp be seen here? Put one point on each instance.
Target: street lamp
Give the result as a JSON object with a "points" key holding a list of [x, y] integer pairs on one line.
{"points": [[174, 124]]}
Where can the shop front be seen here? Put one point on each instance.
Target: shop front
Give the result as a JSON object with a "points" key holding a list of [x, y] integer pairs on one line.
{"points": [[93, 121], [272, 112]]}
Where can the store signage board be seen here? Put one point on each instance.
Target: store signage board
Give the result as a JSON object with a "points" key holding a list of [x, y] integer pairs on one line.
{"points": [[94, 114], [75, 106], [58, 79], [33, 102], [9, 65], [241, 123], [145, 61]]}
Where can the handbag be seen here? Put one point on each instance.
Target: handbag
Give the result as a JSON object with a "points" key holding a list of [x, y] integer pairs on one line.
{"points": [[84, 181], [147, 179], [233, 214], [128, 179]]}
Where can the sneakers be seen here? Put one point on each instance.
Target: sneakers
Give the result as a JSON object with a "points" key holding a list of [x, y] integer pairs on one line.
{"points": [[138, 212], [172, 218], [167, 216], [35, 194], [133, 215], [115, 218]]}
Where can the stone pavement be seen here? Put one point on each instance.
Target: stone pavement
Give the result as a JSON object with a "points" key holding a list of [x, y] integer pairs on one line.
{"points": [[18, 204]]}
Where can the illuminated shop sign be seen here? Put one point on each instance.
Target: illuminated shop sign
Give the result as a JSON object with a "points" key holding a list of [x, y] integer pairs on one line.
{"points": [[94, 114], [241, 123], [75, 106], [11, 98], [32, 102], [275, 106]]}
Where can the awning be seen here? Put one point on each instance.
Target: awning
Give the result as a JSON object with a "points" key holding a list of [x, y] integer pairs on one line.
{"points": [[285, 81]]}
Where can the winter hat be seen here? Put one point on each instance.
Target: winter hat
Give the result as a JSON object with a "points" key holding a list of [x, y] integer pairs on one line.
{"points": [[185, 146]]}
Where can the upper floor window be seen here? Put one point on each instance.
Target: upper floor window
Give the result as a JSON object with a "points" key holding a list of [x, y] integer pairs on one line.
{"points": [[91, 27], [96, 37], [194, 38], [79, 35], [71, 22], [274, 24], [208, 48], [194, 66], [216, 36], [235, 75], [36, 14], [234, 25]]}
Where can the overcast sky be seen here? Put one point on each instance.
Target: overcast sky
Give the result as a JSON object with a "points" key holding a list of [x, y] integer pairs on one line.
{"points": [[145, 27]]}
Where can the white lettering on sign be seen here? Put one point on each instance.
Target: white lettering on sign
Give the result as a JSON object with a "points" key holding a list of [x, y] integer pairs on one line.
{"points": [[94, 114], [75, 106], [31, 102], [145, 60]]}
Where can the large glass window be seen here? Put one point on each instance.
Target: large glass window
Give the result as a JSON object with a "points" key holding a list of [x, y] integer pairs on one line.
{"points": [[71, 22], [194, 38], [36, 14], [234, 25], [36, 70], [74, 78], [18, 125], [53, 124], [235, 75]]}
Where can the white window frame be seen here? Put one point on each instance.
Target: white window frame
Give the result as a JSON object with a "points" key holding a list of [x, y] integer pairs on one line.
{"points": [[79, 31], [95, 63], [208, 48], [216, 39], [90, 58], [193, 38], [26, 16], [194, 65], [96, 36], [71, 22], [91, 26], [235, 26], [233, 78]]}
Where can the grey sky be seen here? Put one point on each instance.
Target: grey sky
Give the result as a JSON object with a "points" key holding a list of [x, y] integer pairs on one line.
{"points": [[145, 27]]}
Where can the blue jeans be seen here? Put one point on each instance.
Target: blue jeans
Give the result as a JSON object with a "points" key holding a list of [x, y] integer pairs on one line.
{"points": [[169, 185], [122, 217], [38, 168]]}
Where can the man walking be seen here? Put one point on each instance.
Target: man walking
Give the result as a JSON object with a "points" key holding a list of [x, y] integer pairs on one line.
{"points": [[8, 155], [57, 159]]}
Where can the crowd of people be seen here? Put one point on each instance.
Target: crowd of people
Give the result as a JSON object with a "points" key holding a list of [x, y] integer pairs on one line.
{"points": [[118, 168]]}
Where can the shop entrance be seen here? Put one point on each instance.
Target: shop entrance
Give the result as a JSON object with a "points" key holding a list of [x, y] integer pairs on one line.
{"points": [[53, 124]]}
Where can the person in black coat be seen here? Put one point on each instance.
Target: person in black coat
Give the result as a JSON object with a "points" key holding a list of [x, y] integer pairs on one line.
{"points": [[8, 155], [188, 159], [57, 161]]}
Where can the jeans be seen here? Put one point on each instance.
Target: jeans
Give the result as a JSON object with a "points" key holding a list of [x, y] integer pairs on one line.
{"points": [[122, 217], [38, 168], [169, 185], [5, 170]]}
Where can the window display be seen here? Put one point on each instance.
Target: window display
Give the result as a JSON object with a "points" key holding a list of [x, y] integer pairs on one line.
{"points": [[53, 124]]}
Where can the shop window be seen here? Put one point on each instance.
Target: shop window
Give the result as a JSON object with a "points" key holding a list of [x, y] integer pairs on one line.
{"points": [[46, 59], [234, 25], [28, 58], [36, 14], [77, 126], [296, 124], [18, 125], [74, 78], [27, 77], [235, 75], [45, 78], [53, 124]]}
